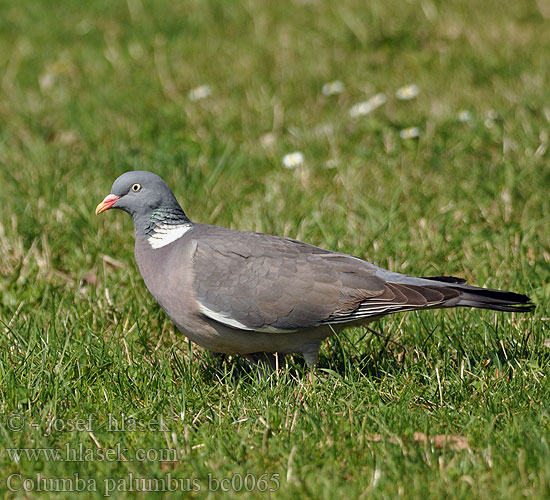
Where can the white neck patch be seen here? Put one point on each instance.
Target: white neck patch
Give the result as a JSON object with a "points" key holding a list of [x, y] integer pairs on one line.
{"points": [[166, 234]]}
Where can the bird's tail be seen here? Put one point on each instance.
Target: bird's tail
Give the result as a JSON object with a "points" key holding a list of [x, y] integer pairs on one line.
{"points": [[486, 298]]}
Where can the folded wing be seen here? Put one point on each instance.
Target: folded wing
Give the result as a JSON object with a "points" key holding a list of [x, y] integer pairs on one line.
{"points": [[267, 283]]}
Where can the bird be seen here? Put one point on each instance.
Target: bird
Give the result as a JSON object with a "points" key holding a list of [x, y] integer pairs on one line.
{"points": [[263, 296]]}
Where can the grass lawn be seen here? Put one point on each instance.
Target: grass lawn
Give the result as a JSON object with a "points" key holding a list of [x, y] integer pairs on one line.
{"points": [[96, 384]]}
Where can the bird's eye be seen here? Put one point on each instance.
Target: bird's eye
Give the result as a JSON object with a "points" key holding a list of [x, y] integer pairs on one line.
{"points": [[136, 187]]}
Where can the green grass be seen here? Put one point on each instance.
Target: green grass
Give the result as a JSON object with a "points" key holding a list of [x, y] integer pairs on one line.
{"points": [[90, 90]]}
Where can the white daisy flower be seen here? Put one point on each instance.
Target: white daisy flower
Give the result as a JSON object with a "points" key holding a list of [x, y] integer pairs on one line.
{"points": [[324, 130], [200, 92], [409, 133], [464, 116], [332, 163], [268, 139], [407, 92], [332, 88], [84, 27], [366, 107], [46, 80], [492, 115], [292, 160]]}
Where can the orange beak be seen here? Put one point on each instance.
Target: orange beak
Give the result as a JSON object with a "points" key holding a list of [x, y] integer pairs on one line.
{"points": [[107, 203]]}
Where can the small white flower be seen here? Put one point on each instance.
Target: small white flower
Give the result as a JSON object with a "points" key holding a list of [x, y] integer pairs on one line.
{"points": [[407, 92], [492, 115], [46, 80], [409, 133], [464, 116], [366, 107], [268, 139], [292, 160], [200, 92], [84, 27], [332, 163], [332, 88], [324, 130]]}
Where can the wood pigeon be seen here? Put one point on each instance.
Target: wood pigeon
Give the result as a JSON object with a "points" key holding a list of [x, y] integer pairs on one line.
{"points": [[255, 294]]}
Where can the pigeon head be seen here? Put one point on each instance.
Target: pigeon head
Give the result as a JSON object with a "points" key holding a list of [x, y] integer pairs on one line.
{"points": [[147, 198]]}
